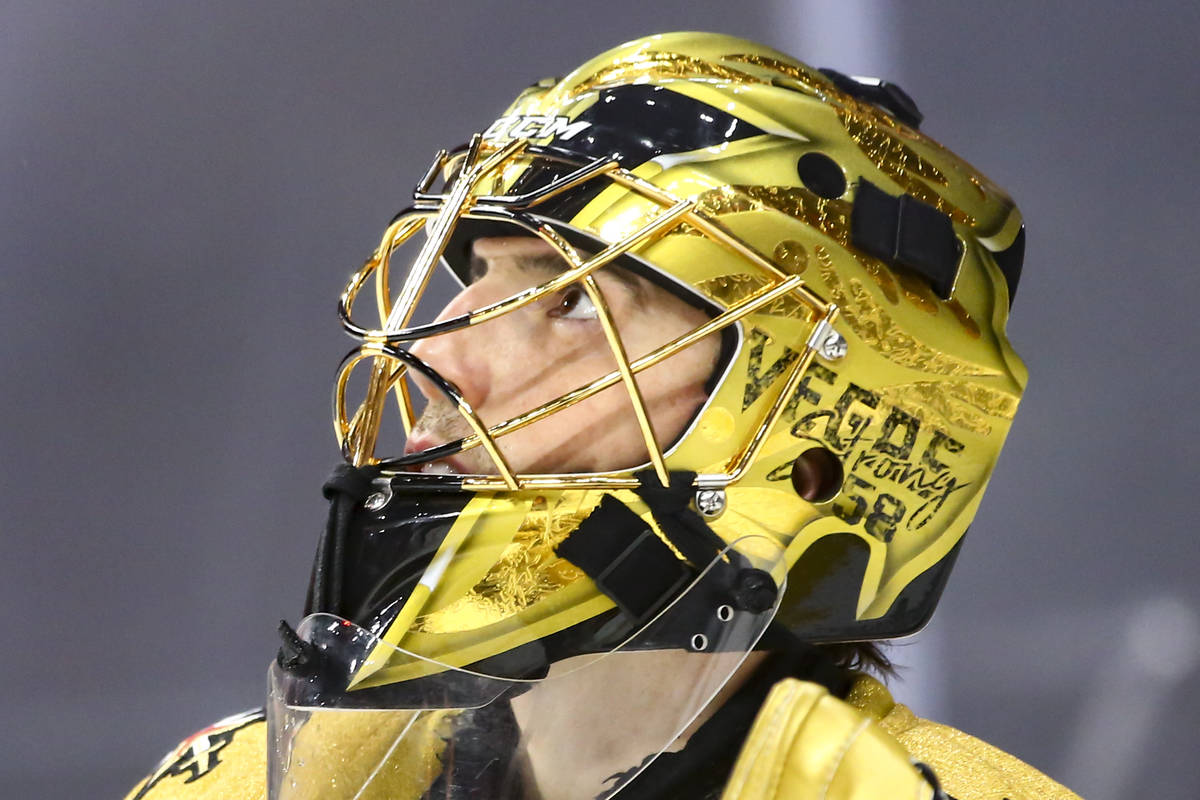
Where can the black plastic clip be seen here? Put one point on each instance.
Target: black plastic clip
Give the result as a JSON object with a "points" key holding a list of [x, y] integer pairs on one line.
{"points": [[904, 232]]}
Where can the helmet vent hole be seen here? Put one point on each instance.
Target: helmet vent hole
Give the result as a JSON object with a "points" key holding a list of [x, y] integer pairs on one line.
{"points": [[817, 475], [699, 642], [821, 175]]}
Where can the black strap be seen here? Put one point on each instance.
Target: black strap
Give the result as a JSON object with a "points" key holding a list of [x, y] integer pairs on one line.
{"points": [[627, 561], [345, 490], [671, 507], [752, 589], [640, 573], [904, 232]]}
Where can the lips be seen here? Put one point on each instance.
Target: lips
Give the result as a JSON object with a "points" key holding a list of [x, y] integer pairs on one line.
{"points": [[442, 466], [418, 442]]}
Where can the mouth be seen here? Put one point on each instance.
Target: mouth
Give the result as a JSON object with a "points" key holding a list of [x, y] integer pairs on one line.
{"points": [[441, 466]]}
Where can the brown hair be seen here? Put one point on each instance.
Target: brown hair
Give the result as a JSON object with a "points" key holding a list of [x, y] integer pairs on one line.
{"points": [[861, 657]]}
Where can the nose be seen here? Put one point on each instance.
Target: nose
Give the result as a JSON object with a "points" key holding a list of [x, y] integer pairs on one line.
{"points": [[459, 356]]}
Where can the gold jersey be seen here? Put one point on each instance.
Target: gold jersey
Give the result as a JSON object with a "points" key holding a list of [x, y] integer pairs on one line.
{"points": [[805, 743]]}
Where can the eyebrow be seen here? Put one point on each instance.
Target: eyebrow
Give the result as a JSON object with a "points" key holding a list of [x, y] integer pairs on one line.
{"points": [[553, 264]]}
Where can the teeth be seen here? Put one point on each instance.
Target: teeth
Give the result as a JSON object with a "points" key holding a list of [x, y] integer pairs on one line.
{"points": [[438, 468]]}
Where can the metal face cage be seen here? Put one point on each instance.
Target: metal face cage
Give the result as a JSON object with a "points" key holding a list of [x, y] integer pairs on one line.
{"points": [[476, 190]]}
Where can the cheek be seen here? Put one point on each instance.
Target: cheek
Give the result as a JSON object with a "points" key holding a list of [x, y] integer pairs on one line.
{"points": [[534, 361], [676, 388], [686, 373]]}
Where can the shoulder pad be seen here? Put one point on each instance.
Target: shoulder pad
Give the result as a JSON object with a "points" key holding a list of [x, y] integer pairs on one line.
{"points": [[225, 761], [806, 743]]}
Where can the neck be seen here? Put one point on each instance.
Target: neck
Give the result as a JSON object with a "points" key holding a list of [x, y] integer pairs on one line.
{"points": [[585, 724]]}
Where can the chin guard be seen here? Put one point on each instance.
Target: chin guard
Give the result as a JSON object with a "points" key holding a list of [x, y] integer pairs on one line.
{"points": [[331, 735]]}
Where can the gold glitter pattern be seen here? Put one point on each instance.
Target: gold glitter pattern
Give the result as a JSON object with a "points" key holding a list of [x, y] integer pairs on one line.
{"points": [[878, 135], [876, 327], [900, 162], [887, 151], [870, 696], [882, 277], [527, 571], [968, 768], [657, 66], [731, 289], [964, 405], [832, 218], [385, 753], [811, 82], [917, 292]]}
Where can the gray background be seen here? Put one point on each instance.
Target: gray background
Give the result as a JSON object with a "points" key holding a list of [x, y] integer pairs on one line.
{"points": [[184, 188]]}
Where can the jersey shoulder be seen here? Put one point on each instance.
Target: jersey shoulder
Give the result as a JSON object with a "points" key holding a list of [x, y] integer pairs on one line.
{"points": [[225, 761], [968, 768], [806, 743]]}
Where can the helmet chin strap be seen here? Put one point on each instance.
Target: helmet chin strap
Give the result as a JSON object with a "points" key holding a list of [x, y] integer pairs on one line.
{"points": [[345, 489]]}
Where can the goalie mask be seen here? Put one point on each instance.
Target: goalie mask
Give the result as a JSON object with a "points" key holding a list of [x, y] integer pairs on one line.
{"points": [[695, 345]]}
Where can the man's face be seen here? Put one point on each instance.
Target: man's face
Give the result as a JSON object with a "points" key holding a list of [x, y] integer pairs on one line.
{"points": [[521, 360]]}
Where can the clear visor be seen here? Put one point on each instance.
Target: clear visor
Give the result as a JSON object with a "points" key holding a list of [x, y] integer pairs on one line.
{"points": [[584, 728]]}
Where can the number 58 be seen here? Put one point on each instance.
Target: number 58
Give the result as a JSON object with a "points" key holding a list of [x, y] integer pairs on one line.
{"points": [[886, 512]]}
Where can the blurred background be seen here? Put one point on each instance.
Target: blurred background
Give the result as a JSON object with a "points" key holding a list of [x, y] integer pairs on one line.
{"points": [[185, 188]]}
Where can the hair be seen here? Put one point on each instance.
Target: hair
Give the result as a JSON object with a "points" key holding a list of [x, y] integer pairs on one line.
{"points": [[861, 657]]}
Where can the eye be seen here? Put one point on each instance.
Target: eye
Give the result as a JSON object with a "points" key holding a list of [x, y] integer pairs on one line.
{"points": [[573, 303]]}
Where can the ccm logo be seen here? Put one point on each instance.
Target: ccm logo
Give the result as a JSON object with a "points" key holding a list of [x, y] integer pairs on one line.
{"points": [[534, 126]]}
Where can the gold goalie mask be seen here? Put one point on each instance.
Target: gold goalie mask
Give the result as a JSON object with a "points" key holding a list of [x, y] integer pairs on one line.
{"points": [[697, 349]]}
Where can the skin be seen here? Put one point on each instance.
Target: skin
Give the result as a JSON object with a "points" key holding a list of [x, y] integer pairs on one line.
{"points": [[582, 727], [520, 360]]}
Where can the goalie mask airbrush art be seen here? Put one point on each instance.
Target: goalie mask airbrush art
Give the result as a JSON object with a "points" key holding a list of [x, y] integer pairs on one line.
{"points": [[851, 279]]}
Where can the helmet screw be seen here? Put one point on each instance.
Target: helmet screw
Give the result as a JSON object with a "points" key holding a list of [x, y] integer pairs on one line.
{"points": [[829, 344], [378, 500], [710, 502], [832, 346]]}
